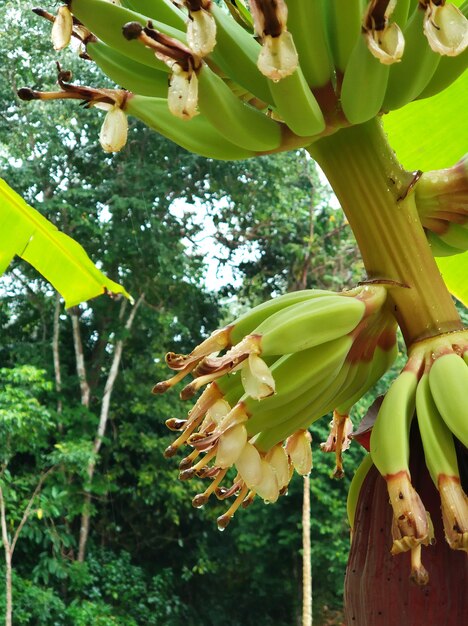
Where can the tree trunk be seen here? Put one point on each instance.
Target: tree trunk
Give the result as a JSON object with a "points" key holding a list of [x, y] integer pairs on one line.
{"points": [[56, 355], [378, 590], [8, 590], [8, 556], [306, 560], [103, 419]]}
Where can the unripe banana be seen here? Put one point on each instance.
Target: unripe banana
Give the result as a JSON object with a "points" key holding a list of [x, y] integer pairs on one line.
{"points": [[230, 387], [162, 10], [439, 449], [402, 11], [196, 135], [448, 380], [441, 461], [247, 323], [241, 327], [106, 20], [344, 26], [355, 487], [389, 446], [236, 54], [309, 324], [324, 403], [127, 73], [364, 84], [382, 360], [296, 105], [439, 247], [300, 380], [307, 24], [390, 433], [447, 72], [240, 123], [456, 236]]}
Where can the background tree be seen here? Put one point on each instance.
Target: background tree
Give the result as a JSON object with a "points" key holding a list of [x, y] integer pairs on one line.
{"points": [[181, 570]]}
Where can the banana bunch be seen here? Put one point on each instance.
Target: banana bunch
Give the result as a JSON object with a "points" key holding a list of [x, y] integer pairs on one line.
{"points": [[432, 387], [442, 202], [268, 376], [227, 83]]}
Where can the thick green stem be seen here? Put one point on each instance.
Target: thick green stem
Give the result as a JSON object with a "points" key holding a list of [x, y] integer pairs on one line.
{"points": [[372, 188]]}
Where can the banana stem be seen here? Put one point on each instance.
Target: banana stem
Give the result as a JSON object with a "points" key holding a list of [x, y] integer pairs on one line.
{"points": [[375, 193]]}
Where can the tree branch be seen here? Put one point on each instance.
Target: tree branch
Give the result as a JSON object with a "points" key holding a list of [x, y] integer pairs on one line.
{"points": [[28, 508], [80, 362], [56, 352]]}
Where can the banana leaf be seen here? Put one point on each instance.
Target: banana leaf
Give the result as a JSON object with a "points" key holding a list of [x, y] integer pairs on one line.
{"points": [[432, 134], [61, 260]]}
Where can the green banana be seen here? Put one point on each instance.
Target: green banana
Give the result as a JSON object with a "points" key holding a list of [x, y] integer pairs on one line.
{"points": [[240, 123], [448, 380], [455, 236], [240, 13], [439, 247], [161, 10], [295, 380], [402, 10], [196, 135], [344, 26], [307, 24], [355, 488], [408, 78], [300, 380], [304, 418], [389, 447], [296, 105], [244, 325], [105, 20], [439, 448], [382, 360], [441, 461], [390, 433], [447, 72], [309, 324], [127, 73], [236, 54], [296, 328], [248, 322], [364, 84]]}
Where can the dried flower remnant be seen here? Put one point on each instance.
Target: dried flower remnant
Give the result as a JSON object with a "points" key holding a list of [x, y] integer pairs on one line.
{"points": [[62, 28], [114, 130], [201, 27], [445, 27], [113, 134], [384, 40], [182, 96], [278, 57]]}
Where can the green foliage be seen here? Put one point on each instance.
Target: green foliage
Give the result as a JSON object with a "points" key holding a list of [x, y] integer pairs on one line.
{"points": [[33, 604], [117, 595], [22, 416], [276, 223]]}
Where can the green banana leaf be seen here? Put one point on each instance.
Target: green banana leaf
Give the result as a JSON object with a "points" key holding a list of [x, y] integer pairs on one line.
{"points": [[431, 134], [60, 259]]}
